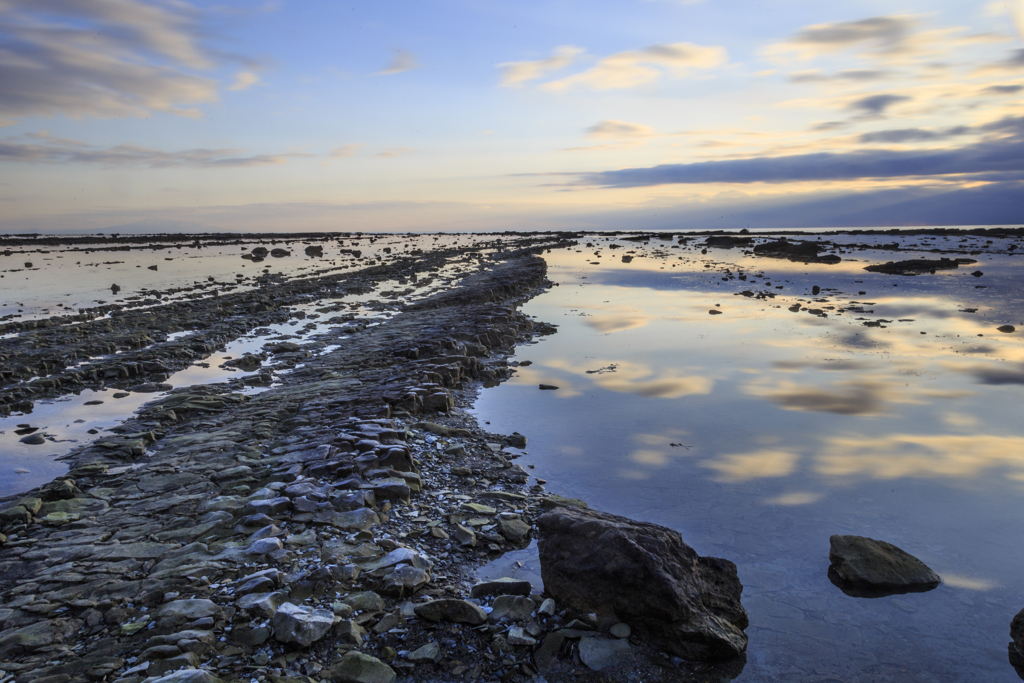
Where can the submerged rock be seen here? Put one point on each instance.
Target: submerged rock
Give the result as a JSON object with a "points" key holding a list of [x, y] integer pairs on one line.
{"points": [[866, 563], [646, 576]]}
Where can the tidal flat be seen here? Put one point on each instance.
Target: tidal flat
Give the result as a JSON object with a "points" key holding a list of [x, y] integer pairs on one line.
{"points": [[357, 428]]}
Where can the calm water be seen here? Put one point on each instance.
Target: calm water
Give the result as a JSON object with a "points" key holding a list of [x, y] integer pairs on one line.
{"points": [[760, 432]]}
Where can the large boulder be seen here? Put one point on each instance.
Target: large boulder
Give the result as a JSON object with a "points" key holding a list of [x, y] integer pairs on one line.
{"points": [[863, 562], [645, 575]]}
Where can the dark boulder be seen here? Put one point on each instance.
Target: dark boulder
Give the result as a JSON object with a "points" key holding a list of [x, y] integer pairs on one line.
{"points": [[806, 252], [865, 563], [646, 576]]}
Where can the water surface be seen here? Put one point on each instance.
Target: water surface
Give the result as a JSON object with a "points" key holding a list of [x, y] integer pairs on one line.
{"points": [[759, 432]]}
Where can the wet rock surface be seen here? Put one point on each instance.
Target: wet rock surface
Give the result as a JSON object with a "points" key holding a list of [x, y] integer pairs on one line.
{"points": [[876, 566], [646, 576]]}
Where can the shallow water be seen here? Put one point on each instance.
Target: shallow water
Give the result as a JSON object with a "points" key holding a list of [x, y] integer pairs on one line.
{"points": [[69, 275], [760, 432]]}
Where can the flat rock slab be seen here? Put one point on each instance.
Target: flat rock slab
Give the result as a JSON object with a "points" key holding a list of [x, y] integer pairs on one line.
{"points": [[866, 563], [646, 576]]}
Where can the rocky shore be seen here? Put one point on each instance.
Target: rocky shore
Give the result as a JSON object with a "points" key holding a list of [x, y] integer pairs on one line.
{"points": [[326, 529]]}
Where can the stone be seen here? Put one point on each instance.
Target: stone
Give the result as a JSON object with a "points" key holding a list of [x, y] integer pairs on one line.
{"points": [[352, 520], [1017, 632], [27, 638], [350, 632], [301, 625], [184, 611], [356, 667], [502, 586], [264, 546], [464, 536], [450, 609], [621, 630], [547, 608], [478, 509], [602, 653], [548, 651], [404, 580], [516, 440], [513, 530], [517, 636], [366, 601], [511, 608], [264, 604], [645, 575], [431, 652], [867, 563], [186, 660], [548, 387], [36, 439], [1007, 329]]}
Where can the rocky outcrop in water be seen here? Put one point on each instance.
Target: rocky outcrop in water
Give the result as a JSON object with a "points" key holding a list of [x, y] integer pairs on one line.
{"points": [[806, 252], [918, 266], [866, 563], [646, 576]]}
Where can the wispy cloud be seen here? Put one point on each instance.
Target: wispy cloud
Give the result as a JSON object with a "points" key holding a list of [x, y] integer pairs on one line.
{"points": [[883, 35], [43, 148], [103, 59], [611, 128], [993, 158], [343, 152], [243, 80], [395, 152], [848, 75], [401, 62], [634, 68], [876, 106], [515, 74]]}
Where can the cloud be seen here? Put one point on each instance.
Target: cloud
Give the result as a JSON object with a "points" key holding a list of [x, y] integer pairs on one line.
{"points": [[921, 455], [401, 62], [343, 152], [639, 67], [998, 374], [761, 464], [611, 128], [854, 75], [1009, 124], [514, 74], [395, 152], [1002, 90], [883, 35], [607, 324], [1003, 157], [875, 106], [42, 148], [1012, 63], [243, 80], [103, 59], [849, 398]]}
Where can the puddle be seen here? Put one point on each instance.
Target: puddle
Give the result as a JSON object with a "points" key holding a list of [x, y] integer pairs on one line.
{"points": [[761, 431]]}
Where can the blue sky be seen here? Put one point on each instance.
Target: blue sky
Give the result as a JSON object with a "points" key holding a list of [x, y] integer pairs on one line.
{"points": [[465, 115]]}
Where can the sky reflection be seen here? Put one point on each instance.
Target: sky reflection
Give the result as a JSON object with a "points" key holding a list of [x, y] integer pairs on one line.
{"points": [[760, 432]]}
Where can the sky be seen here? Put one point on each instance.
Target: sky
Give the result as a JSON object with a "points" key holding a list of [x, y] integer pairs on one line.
{"points": [[466, 115]]}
